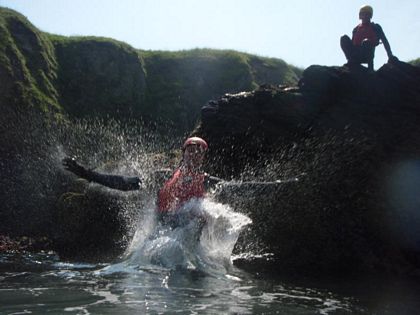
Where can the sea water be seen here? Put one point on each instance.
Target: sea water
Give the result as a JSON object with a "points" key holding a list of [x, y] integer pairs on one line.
{"points": [[185, 270]]}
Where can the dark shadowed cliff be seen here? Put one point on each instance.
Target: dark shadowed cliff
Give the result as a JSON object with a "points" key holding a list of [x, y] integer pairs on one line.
{"points": [[350, 138]]}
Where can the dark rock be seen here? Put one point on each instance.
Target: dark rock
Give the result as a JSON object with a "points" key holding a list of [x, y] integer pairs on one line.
{"points": [[24, 243], [354, 133], [89, 226]]}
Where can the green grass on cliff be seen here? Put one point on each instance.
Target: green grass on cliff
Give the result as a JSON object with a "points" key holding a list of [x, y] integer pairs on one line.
{"points": [[99, 77], [27, 64], [416, 62], [105, 77], [177, 81], [262, 69], [92, 76]]}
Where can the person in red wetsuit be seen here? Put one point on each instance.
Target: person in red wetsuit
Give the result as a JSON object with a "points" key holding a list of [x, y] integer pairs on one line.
{"points": [[188, 180], [366, 36]]}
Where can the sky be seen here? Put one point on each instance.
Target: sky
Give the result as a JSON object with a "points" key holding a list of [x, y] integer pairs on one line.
{"points": [[301, 32]]}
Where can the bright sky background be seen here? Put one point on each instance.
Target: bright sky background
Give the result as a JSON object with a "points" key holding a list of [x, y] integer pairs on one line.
{"points": [[301, 32]]}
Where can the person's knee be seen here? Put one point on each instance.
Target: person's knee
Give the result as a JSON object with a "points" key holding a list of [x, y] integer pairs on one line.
{"points": [[345, 44], [347, 47], [345, 39]]}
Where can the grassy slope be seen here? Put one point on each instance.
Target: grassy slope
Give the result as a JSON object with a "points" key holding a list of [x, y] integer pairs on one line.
{"points": [[27, 64], [415, 62], [99, 77], [177, 81], [88, 76]]}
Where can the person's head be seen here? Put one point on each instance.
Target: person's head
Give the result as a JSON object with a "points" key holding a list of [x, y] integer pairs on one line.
{"points": [[194, 149], [365, 13]]}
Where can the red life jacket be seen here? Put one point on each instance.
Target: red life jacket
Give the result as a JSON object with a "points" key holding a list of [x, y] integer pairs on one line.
{"points": [[180, 188], [365, 31]]}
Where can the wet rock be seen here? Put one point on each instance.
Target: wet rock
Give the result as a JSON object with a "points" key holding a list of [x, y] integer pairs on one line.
{"points": [[349, 130], [24, 244], [93, 223]]}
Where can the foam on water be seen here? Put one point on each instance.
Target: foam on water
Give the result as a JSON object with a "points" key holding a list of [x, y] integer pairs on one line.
{"points": [[192, 246]]}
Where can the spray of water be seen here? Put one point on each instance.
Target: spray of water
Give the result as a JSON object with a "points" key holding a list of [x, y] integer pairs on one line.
{"points": [[204, 242], [109, 147]]}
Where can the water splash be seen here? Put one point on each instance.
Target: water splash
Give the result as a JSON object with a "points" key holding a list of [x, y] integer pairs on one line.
{"points": [[194, 246], [39, 180]]}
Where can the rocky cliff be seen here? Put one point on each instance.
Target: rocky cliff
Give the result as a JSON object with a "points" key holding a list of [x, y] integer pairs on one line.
{"points": [[48, 81], [91, 77], [27, 65], [350, 137]]}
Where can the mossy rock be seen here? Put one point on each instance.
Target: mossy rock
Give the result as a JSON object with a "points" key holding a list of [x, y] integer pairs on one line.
{"points": [[90, 225]]}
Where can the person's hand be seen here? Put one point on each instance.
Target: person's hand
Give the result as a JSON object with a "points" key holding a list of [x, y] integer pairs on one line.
{"points": [[71, 165], [393, 59]]}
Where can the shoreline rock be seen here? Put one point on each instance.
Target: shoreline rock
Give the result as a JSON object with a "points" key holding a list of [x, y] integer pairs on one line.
{"points": [[351, 132]]}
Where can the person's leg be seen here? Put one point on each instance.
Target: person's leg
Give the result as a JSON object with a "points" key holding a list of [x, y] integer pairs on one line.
{"points": [[347, 47], [368, 53]]}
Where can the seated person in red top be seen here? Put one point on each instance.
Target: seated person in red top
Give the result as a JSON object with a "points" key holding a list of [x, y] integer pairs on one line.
{"points": [[187, 182], [366, 36]]}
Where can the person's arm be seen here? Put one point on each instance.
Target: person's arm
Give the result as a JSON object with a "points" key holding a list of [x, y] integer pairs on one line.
{"points": [[211, 181], [384, 40], [124, 183]]}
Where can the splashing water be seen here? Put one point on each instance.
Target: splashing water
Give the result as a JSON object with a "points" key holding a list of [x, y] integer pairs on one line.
{"points": [[205, 248], [148, 280]]}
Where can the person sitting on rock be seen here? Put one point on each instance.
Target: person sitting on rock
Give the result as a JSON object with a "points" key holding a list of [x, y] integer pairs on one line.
{"points": [[187, 181], [366, 36]]}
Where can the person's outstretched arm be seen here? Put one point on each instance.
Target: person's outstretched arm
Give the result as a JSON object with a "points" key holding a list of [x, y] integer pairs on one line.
{"points": [[211, 181], [124, 183], [387, 46]]}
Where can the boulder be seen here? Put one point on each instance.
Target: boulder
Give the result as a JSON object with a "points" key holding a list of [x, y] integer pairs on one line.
{"points": [[354, 135]]}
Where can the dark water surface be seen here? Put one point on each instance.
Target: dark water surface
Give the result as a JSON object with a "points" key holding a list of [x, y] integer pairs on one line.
{"points": [[42, 284], [187, 270]]}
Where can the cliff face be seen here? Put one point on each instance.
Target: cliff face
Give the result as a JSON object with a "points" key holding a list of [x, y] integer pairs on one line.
{"points": [[91, 77], [27, 95], [98, 77], [351, 139], [27, 65], [329, 102], [46, 79], [178, 84]]}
